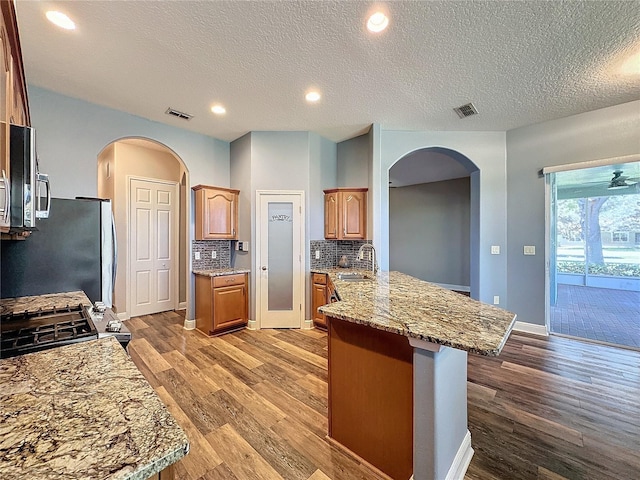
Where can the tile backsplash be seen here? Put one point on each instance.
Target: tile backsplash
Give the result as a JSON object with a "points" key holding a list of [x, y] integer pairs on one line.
{"points": [[205, 247], [332, 250]]}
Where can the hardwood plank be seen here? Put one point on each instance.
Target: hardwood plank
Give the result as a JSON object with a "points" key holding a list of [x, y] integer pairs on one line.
{"points": [[312, 358], [239, 456], [235, 353], [149, 355], [201, 384], [318, 475], [207, 458]]}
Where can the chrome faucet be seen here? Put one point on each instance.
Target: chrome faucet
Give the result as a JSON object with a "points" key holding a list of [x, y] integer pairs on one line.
{"points": [[374, 264]]}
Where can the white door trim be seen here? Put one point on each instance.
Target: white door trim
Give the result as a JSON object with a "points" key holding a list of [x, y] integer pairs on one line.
{"points": [[258, 259], [176, 212]]}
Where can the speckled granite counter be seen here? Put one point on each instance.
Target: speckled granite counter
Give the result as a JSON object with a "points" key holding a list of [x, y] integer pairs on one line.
{"points": [[43, 302], [83, 411], [405, 305], [218, 272]]}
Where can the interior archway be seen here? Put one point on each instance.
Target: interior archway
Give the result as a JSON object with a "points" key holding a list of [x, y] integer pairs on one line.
{"points": [[142, 158], [434, 218]]}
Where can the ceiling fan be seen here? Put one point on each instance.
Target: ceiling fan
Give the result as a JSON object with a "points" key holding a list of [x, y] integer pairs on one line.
{"points": [[619, 181]]}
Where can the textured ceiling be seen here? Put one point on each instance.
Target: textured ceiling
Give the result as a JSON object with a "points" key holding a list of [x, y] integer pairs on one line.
{"points": [[519, 62]]}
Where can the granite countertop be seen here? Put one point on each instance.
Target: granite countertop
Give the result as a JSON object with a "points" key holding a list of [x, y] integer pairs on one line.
{"points": [[218, 272], [83, 411], [405, 305], [43, 302]]}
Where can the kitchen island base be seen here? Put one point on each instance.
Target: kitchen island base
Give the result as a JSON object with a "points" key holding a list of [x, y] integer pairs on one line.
{"points": [[398, 403]]}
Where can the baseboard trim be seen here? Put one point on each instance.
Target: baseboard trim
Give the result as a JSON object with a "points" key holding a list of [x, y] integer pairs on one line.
{"points": [[462, 459], [307, 325], [189, 324], [531, 328], [182, 306], [252, 325], [123, 316]]}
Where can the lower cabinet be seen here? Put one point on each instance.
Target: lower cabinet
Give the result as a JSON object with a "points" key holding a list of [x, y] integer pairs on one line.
{"points": [[222, 303], [319, 297]]}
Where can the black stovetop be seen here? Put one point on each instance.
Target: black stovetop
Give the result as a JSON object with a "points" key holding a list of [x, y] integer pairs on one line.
{"points": [[27, 332]]}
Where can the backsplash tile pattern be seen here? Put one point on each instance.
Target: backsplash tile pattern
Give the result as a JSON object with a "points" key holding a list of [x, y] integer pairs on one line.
{"points": [[205, 247], [332, 250]]}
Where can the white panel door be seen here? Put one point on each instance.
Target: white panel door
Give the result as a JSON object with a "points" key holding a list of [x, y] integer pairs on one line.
{"points": [[280, 260], [153, 241]]}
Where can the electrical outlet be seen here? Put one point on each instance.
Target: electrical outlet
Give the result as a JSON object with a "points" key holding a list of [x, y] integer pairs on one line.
{"points": [[529, 250], [495, 249], [196, 255], [360, 255], [317, 254], [496, 300], [214, 254]]}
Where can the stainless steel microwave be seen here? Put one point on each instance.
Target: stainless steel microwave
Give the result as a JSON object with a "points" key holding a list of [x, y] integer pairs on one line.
{"points": [[26, 193]]}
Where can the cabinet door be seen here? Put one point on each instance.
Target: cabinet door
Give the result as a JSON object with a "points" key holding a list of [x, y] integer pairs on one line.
{"points": [[319, 298], [229, 307], [5, 93], [354, 215], [331, 215], [220, 215]]}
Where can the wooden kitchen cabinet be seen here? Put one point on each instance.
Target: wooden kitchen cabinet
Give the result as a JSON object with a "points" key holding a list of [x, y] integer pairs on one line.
{"points": [[14, 105], [222, 303], [345, 214], [216, 213], [319, 297]]}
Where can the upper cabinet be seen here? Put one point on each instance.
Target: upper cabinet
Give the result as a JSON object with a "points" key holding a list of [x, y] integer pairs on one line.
{"points": [[216, 213], [345, 214], [14, 105]]}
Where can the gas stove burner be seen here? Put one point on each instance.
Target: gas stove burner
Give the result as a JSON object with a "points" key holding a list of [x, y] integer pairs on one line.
{"points": [[27, 332]]}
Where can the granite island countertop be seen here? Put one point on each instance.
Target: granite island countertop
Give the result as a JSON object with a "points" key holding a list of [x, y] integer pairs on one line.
{"points": [[219, 272], [43, 302], [83, 411], [401, 304]]}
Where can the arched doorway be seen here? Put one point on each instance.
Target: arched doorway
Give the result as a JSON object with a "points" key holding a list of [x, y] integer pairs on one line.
{"points": [[433, 218], [134, 162]]}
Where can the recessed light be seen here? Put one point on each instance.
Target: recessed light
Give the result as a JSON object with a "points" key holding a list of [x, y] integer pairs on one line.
{"points": [[312, 96], [377, 22], [631, 66], [61, 20], [218, 110]]}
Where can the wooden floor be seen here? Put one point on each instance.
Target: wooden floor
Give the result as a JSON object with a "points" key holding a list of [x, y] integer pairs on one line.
{"points": [[253, 404]]}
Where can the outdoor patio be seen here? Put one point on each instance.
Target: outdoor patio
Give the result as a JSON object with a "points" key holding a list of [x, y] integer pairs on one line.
{"points": [[600, 314]]}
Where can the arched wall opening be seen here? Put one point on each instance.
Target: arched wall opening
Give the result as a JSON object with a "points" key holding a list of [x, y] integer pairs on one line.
{"points": [[144, 158], [433, 217]]}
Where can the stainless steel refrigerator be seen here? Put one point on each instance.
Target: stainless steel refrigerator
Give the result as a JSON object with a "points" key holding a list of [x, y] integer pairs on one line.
{"points": [[73, 249]]}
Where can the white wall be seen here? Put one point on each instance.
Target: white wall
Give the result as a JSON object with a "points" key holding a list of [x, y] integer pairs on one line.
{"points": [[605, 133], [429, 231], [354, 158], [487, 151]]}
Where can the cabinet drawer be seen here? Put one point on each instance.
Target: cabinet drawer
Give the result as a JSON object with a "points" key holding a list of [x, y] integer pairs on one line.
{"points": [[320, 278], [228, 280]]}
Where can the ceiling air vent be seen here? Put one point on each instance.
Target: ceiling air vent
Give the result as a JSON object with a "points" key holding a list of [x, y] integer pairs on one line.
{"points": [[466, 110], [176, 113]]}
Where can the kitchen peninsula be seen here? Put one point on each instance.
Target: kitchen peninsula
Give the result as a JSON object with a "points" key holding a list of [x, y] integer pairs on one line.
{"points": [[398, 371], [82, 411]]}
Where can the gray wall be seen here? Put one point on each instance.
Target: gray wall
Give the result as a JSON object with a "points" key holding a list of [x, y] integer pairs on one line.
{"points": [[605, 133], [429, 234], [488, 197], [71, 133], [281, 161], [354, 158]]}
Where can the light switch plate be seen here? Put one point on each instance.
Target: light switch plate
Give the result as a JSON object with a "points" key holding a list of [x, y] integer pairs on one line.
{"points": [[196, 255], [495, 249], [496, 300], [529, 250], [317, 254], [214, 254]]}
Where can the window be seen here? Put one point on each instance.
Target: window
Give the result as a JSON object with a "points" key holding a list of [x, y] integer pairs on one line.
{"points": [[638, 238], [620, 237]]}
